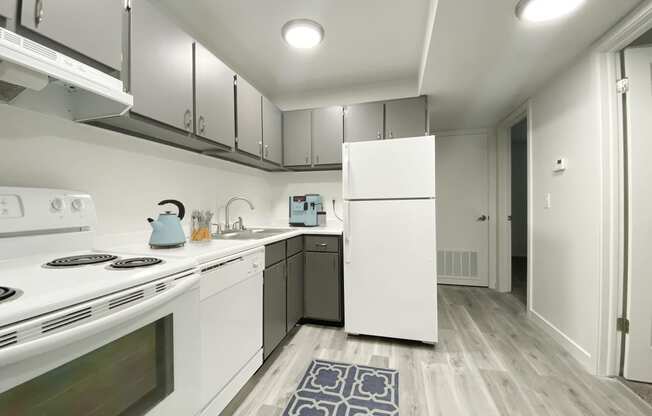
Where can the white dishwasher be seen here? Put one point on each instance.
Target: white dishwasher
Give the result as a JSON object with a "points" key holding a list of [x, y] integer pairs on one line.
{"points": [[231, 293]]}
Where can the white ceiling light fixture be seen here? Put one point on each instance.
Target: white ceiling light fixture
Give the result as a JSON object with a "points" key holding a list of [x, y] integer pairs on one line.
{"points": [[302, 33], [545, 10]]}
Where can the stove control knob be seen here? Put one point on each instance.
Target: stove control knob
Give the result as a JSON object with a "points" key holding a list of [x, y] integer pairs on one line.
{"points": [[78, 204], [58, 204]]}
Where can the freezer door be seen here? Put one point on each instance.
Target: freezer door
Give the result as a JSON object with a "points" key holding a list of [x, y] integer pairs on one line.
{"points": [[389, 169], [390, 282]]}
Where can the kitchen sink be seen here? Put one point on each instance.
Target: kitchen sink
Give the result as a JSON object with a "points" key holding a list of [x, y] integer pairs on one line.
{"points": [[251, 234]]}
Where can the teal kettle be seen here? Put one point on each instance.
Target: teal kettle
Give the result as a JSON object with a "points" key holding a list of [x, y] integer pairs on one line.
{"points": [[167, 231]]}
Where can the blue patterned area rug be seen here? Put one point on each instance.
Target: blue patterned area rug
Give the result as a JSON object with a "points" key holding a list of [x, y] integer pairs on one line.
{"points": [[335, 389]]}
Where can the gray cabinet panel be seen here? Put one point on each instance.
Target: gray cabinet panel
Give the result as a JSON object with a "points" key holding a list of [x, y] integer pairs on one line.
{"points": [[250, 127], [296, 138], [274, 307], [322, 243], [214, 102], [405, 118], [363, 122], [91, 27], [161, 67], [294, 245], [295, 266], [274, 253], [322, 286], [327, 135], [272, 133]]}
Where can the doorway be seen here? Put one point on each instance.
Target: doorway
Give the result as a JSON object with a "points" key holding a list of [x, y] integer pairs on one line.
{"points": [[518, 206], [636, 96]]}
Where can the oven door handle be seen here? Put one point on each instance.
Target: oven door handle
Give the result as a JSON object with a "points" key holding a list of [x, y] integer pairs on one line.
{"points": [[21, 351]]}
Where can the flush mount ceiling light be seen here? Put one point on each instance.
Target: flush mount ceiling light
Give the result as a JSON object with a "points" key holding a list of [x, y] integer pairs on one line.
{"points": [[545, 10], [302, 33]]}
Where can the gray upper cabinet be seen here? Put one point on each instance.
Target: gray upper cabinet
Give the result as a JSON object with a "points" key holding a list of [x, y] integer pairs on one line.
{"points": [[327, 135], [92, 28], [161, 67], [405, 118], [272, 133], [8, 9], [249, 116], [363, 122], [297, 138], [214, 101]]}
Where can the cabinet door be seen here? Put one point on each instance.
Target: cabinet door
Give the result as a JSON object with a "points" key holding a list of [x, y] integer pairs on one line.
{"points": [[272, 133], [250, 127], [90, 27], [363, 122], [274, 303], [327, 135], [161, 67], [214, 101], [8, 9], [295, 290], [296, 138], [322, 287], [405, 118]]}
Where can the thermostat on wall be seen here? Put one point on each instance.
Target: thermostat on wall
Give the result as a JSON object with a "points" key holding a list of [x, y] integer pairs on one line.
{"points": [[560, 165]]}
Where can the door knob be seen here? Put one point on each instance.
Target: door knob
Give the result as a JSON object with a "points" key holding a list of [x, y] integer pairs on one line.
{"points": [[483, 218], [509, 218]]}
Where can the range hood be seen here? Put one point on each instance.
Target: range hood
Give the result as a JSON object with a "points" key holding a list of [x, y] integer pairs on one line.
{"points": [[29, 70]]}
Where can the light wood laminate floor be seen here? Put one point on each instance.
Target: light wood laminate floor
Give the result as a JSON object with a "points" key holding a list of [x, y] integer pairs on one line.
{"points": [[491, 360]]}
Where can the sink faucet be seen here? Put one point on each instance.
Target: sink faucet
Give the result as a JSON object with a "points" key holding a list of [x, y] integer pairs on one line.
{"points": [[227, 224]]}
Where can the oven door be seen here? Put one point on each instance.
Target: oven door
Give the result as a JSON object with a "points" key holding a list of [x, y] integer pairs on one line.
{"points": [[128, 354]]}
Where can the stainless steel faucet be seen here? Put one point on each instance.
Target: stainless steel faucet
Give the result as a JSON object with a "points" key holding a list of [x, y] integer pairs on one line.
{"points": [[227, 223]]}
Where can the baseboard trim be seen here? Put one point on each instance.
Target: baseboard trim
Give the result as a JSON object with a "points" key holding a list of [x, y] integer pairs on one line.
{"points": [[462, 282], [574, 349]]}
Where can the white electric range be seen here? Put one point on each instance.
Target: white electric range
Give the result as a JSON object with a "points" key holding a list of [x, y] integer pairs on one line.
{"points": [[85, 332]]}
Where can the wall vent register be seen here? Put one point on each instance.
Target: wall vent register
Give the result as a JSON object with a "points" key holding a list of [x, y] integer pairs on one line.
{"points": [[457, 263]]}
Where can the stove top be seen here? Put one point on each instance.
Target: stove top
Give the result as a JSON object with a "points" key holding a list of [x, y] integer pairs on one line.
{"points": [[86, 275], [81, 260]]}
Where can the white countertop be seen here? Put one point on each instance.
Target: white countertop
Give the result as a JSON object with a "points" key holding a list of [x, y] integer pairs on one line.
{"points": [[205, 251]]}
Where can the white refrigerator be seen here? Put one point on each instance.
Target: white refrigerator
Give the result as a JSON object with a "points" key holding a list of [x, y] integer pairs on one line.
{"points": [[390, 253]]}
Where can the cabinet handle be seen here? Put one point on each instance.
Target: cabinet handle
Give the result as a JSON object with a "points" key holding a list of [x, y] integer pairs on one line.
{"points": [[266, 151], [187, 119], [202, 124], [317, 159], [307, 160], [260, 148], [323, 245], [391, 134], [39, 12], [378, 135]]}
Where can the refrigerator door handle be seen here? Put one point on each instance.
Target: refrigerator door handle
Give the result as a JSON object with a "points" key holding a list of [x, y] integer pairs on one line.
{"points": [[347, 170], [347, 233]]}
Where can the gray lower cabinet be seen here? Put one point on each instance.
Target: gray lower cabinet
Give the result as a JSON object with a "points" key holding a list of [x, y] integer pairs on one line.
{"points": [[161, 67], [92, 28], [405, 118], [327, 135], [322, 287], [214, 101], [295, 265], [274, 307], [297, 137], [363, 122], [249, 118], [272, 133]]}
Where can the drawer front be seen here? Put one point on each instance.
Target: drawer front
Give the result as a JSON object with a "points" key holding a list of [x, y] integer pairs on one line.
{"points": [[323, 243], [295, 245], [274, 253]]}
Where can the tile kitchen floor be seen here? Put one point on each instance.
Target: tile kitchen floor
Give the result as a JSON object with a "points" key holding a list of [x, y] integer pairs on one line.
{"points": [[491, 360]]}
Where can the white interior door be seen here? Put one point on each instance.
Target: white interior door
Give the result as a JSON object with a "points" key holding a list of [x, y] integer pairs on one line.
{"points": [[638, 346], [462, 170]]}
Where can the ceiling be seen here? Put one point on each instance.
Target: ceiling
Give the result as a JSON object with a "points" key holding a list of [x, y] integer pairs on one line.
{"points": [[367, 43], [473, 58], [483, 62]]}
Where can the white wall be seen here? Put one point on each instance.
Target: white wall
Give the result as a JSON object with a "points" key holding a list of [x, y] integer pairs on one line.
{"points": [[126, 176], [328, 184], [566, 271]]}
